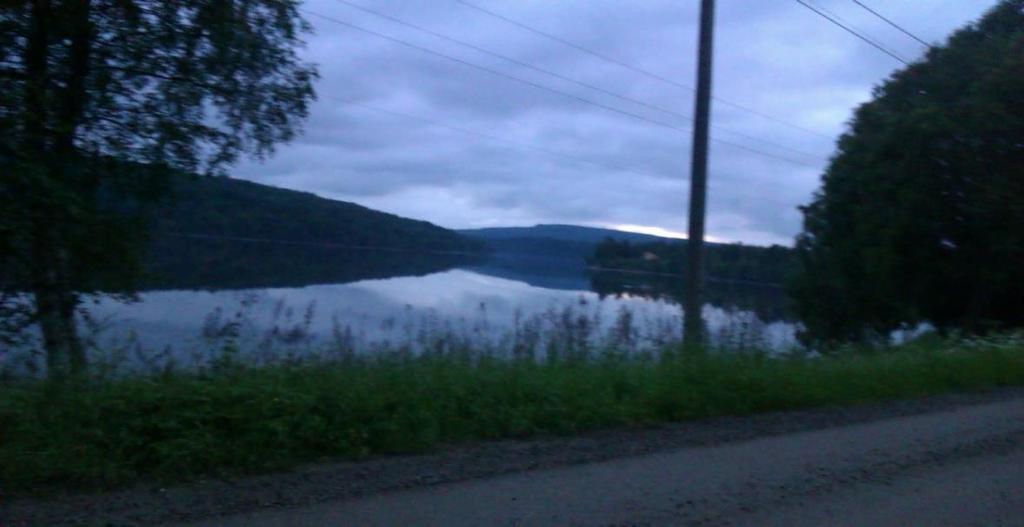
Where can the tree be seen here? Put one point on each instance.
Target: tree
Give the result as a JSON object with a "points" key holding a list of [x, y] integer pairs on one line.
{"points": [[920, 216], [99, 101]]}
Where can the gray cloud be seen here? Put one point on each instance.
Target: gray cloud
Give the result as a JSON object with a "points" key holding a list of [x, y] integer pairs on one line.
{"points": [[775, 57]]}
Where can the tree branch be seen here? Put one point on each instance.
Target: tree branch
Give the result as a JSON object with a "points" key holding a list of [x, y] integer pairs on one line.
{"points": [[169, 78]]}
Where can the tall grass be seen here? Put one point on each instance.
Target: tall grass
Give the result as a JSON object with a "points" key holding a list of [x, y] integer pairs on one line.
{"points": [[275, 333], [232, 418]]}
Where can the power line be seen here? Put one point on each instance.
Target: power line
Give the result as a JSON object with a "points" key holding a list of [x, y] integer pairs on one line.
{"points": [[546, 88], [497, 73], [839, 18], [568, 79], [488, 136], [891, 23], [635, 69], [852, 31]]}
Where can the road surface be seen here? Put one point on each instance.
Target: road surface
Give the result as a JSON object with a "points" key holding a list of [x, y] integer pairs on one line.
{"points": [[958, 466]]}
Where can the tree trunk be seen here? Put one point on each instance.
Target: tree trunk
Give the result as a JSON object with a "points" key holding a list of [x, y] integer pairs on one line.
{"points": [[56, 303], [51, 122], [65, 356]]}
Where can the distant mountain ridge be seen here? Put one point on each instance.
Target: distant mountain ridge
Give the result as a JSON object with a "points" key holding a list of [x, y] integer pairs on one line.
{"points": [[224, 232], [561, 232], [573, 244], [597, 248]]}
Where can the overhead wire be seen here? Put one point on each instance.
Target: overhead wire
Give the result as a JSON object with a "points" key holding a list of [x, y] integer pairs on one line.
{"points": [[489, 137], [839, 18], [836, 21], [546, 88], [635, 69], [569, 79], [891, 23]]}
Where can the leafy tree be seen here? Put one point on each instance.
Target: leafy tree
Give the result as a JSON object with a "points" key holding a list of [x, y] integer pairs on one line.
{"points": [[98, 100], [920, 216]]}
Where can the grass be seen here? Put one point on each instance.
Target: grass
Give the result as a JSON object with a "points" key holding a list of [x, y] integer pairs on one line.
{"points": [[233, 419]]}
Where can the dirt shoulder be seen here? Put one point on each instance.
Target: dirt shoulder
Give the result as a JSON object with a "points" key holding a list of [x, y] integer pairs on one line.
{"points": [[150, 504]]}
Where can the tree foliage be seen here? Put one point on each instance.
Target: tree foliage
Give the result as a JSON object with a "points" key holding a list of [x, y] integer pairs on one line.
{"points": [[722, 261], [920, 216], [99, 98]]}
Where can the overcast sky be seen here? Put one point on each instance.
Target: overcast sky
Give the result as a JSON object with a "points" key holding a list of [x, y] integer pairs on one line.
{"points": [[563, 160]]}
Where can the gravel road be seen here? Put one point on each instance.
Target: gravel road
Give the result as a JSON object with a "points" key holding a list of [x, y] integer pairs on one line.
{"points": [[953, 460], [959, 467]]}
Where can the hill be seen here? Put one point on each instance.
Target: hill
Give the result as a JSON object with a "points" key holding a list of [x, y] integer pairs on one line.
{"points": [[570, 233], [573, 244], [217, 233], [220, 207], [611, 249]]}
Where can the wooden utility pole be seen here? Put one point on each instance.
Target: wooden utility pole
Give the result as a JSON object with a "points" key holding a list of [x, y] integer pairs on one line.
{"points": [[693, 324]]}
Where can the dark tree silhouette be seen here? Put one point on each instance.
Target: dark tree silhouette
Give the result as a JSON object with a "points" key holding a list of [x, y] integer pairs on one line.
{"points": [[920, 216], [98, 98]]}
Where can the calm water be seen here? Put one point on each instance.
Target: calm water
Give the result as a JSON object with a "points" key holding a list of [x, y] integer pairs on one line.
{"points": [[277, 302]]}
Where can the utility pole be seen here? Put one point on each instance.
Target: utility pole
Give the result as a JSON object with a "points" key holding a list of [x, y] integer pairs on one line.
{"points": [[693, 323]]}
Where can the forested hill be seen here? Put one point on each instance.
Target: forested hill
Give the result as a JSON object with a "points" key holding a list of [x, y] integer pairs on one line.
{"points": [[630, 251], [219, 207], [569, 243], [568, 233]]}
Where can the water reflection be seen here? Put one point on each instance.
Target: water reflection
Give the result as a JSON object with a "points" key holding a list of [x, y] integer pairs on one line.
{"points": [[767, 301], [177, 263], [204, 295]]}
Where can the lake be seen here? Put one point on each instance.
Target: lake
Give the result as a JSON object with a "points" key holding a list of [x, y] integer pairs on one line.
{"points": [[274, 303]]}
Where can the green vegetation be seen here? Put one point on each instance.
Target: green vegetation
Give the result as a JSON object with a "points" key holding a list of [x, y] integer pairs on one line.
{"points": [[732, 261], [88, 88], [232, 419], [920, 216]]}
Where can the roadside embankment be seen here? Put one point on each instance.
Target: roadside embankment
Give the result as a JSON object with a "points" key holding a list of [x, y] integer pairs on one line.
{"points": [[236, 420]]}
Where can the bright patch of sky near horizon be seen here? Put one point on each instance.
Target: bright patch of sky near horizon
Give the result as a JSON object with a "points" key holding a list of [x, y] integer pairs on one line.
{"points": [[776, 57]]}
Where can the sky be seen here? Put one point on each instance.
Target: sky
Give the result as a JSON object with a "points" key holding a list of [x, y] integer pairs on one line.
{"points": [[481, 141]]}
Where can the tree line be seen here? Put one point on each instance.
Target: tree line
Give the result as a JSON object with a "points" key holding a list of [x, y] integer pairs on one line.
{"points": [[920, 215], [732, 262]]}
